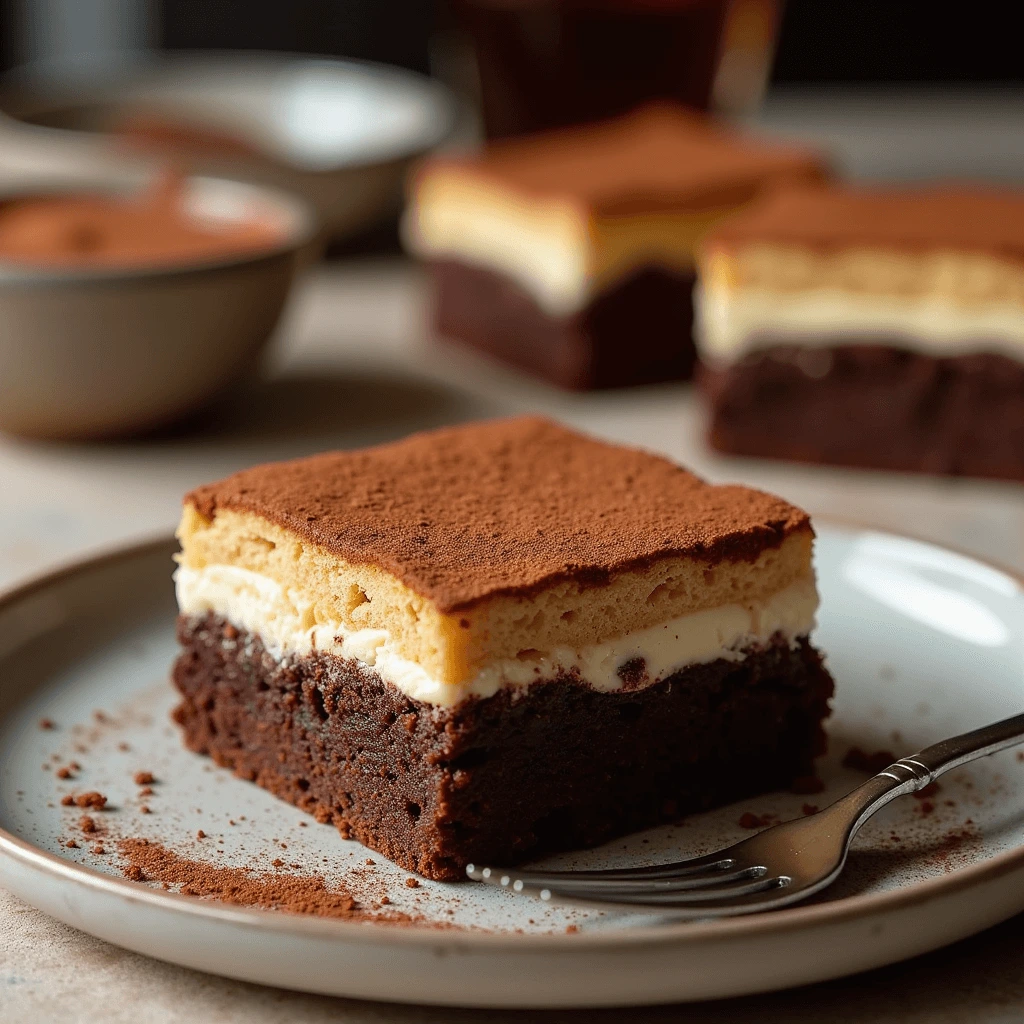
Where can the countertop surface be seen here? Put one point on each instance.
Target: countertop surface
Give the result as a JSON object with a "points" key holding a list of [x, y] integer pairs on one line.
{"points": [[353, 365]]}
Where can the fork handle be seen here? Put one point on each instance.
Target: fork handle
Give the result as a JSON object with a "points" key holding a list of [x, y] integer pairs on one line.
{"points": [[913, 773]]}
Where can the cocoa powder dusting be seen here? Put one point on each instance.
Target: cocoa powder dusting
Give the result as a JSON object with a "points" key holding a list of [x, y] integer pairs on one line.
{"points": [[297, 894]]}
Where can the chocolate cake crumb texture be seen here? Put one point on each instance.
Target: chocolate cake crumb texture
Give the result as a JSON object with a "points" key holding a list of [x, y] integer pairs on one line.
{"points": [[453, 513]]}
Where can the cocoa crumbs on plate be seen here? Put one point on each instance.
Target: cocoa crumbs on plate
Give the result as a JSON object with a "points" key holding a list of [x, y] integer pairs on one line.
{"points": [[98, 849], [86, 823], [750, 820], [63, 773], [91, 799], [144, 809], [47, 723], [146, 791], [300, 894], [67, 800], [200, 834], [143, 778], [412, 883], [809, 808], [71, 844], [277, 862]]}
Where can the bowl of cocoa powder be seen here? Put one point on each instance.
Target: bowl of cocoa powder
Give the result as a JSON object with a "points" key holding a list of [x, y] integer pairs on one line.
{"points": [[123, 308]]}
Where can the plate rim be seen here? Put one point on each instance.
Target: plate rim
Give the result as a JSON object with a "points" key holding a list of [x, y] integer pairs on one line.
{"points": [[679, 933]]}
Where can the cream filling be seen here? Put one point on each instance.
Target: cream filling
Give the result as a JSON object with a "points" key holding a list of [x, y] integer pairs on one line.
{"points": [[283, 619], [557, 253], [544, 250], [731, 322]]}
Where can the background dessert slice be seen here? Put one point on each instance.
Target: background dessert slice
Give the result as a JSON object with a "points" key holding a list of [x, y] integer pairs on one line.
{"points": [[869, 327], [492, 641], [570, 254]]}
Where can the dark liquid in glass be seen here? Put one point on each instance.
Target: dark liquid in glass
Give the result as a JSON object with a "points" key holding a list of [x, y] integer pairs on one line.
{"points": [[549, 63]]}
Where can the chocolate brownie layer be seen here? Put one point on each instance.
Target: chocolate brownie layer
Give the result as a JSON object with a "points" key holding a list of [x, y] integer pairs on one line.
{"points": [[872, 406], [636, 332], [504, 778]]}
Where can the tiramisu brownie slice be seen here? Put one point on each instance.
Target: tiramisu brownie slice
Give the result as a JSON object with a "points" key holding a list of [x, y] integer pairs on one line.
{"points": [[570, 254], [497, 640], [869, 327]]}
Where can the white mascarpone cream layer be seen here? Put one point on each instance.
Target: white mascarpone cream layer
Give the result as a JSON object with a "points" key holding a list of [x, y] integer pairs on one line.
{"points": [[278, 615], [544, 251], [731, 322]]}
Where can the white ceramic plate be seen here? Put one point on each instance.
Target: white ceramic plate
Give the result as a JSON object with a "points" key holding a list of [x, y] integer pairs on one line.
{"points": [[922, 642]]}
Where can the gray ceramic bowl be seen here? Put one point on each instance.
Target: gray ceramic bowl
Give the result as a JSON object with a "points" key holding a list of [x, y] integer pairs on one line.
{"points": [[109, 352], [339, 133]]}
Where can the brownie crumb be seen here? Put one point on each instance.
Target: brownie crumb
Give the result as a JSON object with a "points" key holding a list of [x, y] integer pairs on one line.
{"points": [[67, 801], [277, 862], [146, 791], [807, 785], [144, 778], [809, 809], [87, 824], [71, 844], [64, 773], [123, 746], [749, 820], [134, 873], [302, 824], [200, 834], [860, 761], [99, 848], [91, 799], [412, 883], [633, 673], [370, 862], [47, 723], [926, 807], [384, 901], [571, 929], [144, 809]]}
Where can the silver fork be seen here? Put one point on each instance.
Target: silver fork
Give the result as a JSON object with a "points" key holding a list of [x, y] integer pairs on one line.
{"points": [[778, 866]]}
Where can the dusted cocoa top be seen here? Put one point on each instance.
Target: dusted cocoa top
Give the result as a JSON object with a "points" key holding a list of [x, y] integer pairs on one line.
{"points": [[504, 507], [660, 156], [979, 218]]}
